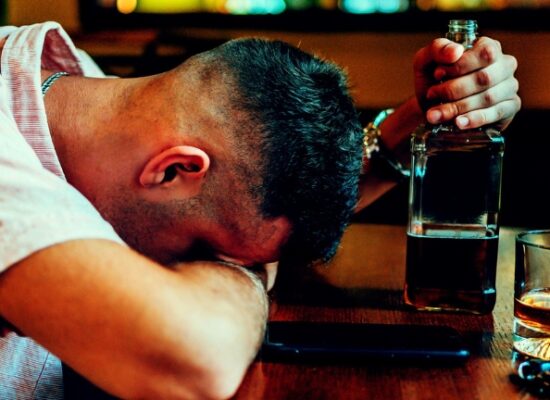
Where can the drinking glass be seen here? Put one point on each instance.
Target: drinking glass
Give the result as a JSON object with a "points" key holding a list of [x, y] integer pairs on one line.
{"points": [[531, 349]]}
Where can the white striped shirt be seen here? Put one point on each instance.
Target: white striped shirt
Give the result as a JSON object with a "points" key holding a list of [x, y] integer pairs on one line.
{"points": [[38, 208]]}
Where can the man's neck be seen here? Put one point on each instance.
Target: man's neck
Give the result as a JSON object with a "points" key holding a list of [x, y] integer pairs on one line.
{"points": [[73, 104], [100, 127], [81, 112]]}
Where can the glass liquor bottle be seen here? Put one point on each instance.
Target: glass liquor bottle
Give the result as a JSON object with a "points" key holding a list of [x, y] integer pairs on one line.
{"points": [[454, 201]]}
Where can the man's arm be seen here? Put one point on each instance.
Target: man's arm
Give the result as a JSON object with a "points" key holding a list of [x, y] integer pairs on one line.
{"points": [[134, 328], [471, 88], [396, 130]]}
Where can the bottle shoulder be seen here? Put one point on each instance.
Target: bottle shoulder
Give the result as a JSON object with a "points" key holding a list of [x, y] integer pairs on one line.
{"points": [[450, 133]]}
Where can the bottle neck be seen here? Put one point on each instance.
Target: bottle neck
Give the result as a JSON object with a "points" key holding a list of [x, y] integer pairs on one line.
{"points": [[463, 32]]}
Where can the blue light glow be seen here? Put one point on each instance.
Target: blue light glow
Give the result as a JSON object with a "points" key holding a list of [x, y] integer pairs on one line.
{"points": [[372, 6], [255, 6], [360, 6]]}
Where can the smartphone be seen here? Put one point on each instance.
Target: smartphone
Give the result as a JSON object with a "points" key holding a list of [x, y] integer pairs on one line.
{"points": [[322, 341]]}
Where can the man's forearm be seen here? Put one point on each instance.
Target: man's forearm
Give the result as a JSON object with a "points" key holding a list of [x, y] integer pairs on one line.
{"points": [[237, 292], [396, 131], [398, 126], [134, 328]]}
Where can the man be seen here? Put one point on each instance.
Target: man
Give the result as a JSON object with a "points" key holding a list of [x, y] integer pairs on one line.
{"points": [[242, 155]]}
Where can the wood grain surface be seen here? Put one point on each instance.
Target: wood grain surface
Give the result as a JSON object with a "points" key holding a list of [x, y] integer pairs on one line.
{"points": [[364, 284]]}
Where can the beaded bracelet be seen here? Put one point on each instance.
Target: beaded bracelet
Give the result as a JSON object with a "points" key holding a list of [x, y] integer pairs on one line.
{"points": [[374, 149], [372, 133], [50, 81]]}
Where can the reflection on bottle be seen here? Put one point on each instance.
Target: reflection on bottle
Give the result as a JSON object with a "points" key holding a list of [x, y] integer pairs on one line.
{"points": [[454, 202]]}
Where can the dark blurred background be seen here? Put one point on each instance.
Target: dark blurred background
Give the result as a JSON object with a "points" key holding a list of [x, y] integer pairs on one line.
{"points": [[374, 40]]}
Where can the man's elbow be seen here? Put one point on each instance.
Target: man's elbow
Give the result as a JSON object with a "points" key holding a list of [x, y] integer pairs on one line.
{"points": [[213, 384], [214, 370]]}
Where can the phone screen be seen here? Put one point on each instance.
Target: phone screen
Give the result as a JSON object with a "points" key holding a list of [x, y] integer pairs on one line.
{"points": [[299, 340]]}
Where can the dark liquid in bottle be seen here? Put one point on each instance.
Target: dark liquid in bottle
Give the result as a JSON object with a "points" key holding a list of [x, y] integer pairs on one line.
{"points": [[453, 274]]}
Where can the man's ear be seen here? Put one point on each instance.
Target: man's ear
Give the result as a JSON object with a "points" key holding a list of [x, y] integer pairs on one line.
{"points": [[182, 166]]}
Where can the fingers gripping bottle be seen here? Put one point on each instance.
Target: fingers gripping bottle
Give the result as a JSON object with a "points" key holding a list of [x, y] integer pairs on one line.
{"points": [[454, 201]]}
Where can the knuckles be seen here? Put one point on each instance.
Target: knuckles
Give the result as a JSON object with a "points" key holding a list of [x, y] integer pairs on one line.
{"points": [[484, 78], [489, 49], [489, 98]]}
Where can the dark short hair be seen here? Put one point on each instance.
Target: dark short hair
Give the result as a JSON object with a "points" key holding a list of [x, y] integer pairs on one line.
{"points": [[311, 143]]}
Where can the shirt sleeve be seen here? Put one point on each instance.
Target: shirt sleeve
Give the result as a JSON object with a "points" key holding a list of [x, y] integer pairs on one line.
{"points": [[37, 208]]}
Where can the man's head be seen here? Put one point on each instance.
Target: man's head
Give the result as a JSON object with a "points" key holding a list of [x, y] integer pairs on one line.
{"points": [[247, 149], [303, 124]]}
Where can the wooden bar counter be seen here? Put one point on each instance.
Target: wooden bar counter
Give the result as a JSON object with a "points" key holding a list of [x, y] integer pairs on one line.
{"points": [[364, 284]]}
